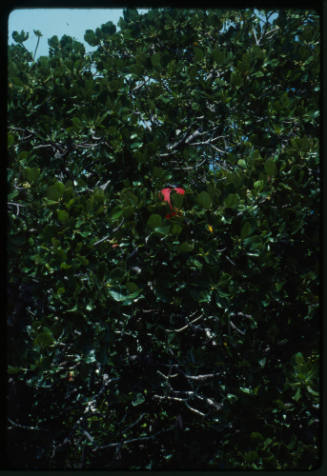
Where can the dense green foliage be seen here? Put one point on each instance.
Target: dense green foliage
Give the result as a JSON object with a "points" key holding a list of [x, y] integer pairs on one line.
{"points": [[137, 341]]}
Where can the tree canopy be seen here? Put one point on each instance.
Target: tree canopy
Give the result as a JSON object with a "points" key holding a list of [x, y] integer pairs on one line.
{"points": [[163, 244]]}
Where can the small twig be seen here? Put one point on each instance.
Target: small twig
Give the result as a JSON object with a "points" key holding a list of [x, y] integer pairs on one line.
{"points": [[200, 377], [270, 32], [17, 205], [194, 410], [241, 314], [105, 185], [236, 328], [108, 236], [167, 377], [181, 329], [133, 440], [26, 427], [216, 149], [210, 401], [195, 134], [133, 424], [207, 142], [257, 42], [102, 239], [230, 260], [43, 146], [196, 166], [164, 397], [88, 436]]}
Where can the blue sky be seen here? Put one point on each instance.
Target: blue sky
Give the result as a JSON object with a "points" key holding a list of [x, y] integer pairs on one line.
{"points": [[59, 21]]}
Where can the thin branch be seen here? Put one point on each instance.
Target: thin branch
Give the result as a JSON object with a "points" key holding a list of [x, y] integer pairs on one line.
{"points": [[133, 424], [241, 314], [17, 205], [210, 401], [43, 146], [133, 440], [270, 33], [173, 146], [88, 436], [194, 410], [195, 166], [216, 149], [207, 142], [167, 377], [164, 397], [26, 427], [181, 329], [108, 236], [195, 134], [230, 260], [236, 328], [200, 377], [257, 42], [102, 239]]}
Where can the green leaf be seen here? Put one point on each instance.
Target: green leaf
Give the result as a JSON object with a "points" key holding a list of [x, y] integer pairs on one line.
{"points": [[176, 229], [246, 390], [138, 400], [163, 230], [204, 199], [186, 247], [125, 299], [116, 213], [20, 37], [133, 287], [258, 185], [256, 435], [13, 370], [63, 216], [267, 442], [270, 167], [154, 221], [65, 266], [32, 173], [177, 200], [117, 296], [56, 191], [297, 395], [262, 362], [91, 38], [246, 230], [254, 243], [108, 28], [299, 359], [10, 140], [198, 53], [44, 339], [90, 358], [232, 200], [258, 74], [136, 145], [155, 60], [312, 392], [218, 55]]}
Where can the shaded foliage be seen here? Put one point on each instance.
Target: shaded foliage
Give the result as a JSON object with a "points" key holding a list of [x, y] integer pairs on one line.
{"points": [[137, 341]]}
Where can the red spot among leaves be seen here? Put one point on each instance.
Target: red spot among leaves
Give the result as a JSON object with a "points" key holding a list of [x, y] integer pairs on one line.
{"points": [[165, 192], [170, 215], [179, 190]]}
